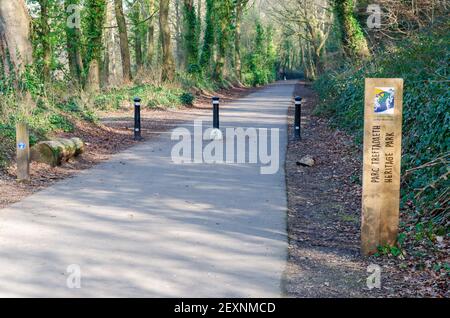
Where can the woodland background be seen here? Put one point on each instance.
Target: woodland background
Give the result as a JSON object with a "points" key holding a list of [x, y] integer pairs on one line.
{"points": [[168, 52]]}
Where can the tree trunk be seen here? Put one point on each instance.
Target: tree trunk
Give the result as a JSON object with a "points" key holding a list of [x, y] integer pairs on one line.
{"points": [[96, 11], [124, 46], [15, 46], [112, 62], [180, 56], [168, 63], [136, 16], [310, 67], [191, 41], [353, 39], [150, 33], [208, 42], [45, 40], [224, 21], [108, 45], [199, 23], [93, 76], [237, 39], [73, 37], [106, 64]]}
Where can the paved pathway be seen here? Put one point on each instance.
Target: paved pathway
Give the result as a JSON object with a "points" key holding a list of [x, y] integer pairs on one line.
{"points": [[140, 225]]}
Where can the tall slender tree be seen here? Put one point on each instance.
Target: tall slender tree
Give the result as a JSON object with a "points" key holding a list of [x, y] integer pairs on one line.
{"points": [[199, 22], [73, 39], [168, 63], [151, 11], [180, 54], [224, 11], [95, 19], [208, 41], [136, 12], [44, 37], [191, 40], [240, 6], [124, 45]]}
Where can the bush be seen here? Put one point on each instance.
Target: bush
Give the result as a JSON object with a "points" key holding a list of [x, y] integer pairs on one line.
{"points": [[194, 69], [423, 62], [187, 99]]}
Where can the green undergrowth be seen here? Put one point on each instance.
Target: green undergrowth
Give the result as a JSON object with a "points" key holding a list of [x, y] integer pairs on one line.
{"points": [[152, 97], [57, 107], [423, 62]]}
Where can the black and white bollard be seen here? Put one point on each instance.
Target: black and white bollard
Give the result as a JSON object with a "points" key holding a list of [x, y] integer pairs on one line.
{"points": [[216, 102], [137, 119], [216, 134], [298, 118]]}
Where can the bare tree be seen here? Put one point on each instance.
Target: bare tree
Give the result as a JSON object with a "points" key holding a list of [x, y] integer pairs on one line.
{"points": [[403, 18], [311, 22]]}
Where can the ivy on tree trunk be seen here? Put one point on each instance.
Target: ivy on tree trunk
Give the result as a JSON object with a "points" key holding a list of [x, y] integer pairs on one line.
{"points": [[191, 40], [353, 39], [96, 14]]}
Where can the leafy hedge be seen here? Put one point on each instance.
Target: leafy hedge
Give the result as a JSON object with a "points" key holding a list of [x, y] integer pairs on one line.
{"points": [[423, 62]]}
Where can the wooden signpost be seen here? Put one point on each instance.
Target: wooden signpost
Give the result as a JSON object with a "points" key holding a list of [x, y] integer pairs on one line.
{"points": [[23, 152], [382, 159]]}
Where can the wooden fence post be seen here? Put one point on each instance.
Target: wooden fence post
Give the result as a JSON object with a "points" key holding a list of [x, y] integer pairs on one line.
{"points": [[23, 152]]}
